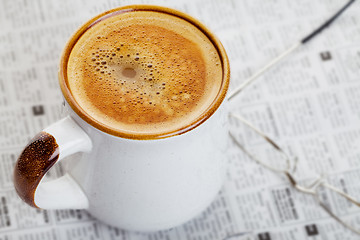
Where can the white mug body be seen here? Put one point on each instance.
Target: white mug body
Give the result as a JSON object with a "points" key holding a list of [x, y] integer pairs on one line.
{"points": [[150, 185]]}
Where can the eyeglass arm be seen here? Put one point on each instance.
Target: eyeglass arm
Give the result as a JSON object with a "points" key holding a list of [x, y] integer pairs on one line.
{"points": [[284, 54], [338, 191], [311, 190], [267, 139], [263, 70], [336, 217], [326, 23]]}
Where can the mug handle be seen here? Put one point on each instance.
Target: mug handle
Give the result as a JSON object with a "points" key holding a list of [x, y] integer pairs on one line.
{"points": [[54, 143]]}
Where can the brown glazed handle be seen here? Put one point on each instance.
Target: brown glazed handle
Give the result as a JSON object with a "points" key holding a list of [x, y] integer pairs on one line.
{"points": [[56, 142], [38, 157]]}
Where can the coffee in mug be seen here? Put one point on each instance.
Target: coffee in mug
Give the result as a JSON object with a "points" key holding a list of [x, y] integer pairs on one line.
{"points": [[144, 89], [144, 74]]}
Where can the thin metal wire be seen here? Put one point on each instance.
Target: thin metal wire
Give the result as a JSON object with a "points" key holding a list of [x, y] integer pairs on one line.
{"points": [[263, 70], [327, 23], [312, 189], [289, 50], [267, 139], [332, 214]]}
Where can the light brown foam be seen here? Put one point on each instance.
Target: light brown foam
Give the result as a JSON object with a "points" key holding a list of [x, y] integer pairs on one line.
{"points": [[144, 72]]}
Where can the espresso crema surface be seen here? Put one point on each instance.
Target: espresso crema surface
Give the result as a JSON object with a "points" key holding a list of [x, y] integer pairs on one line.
{"points": [[144, 72]]}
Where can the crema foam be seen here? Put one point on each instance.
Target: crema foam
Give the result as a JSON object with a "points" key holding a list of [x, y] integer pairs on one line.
{"points": [[144, 72]]}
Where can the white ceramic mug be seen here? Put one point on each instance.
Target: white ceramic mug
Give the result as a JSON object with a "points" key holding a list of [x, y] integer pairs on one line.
{"points": [[144, 185]]}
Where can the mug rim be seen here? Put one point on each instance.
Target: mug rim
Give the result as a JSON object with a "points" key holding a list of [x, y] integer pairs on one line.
{"points": [[218, 100]]}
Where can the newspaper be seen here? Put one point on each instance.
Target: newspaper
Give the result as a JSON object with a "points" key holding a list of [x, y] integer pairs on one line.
{"points": [[309, 103]]}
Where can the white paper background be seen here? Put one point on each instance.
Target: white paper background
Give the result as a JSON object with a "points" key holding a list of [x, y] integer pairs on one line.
{"points": [[309, 103]]}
